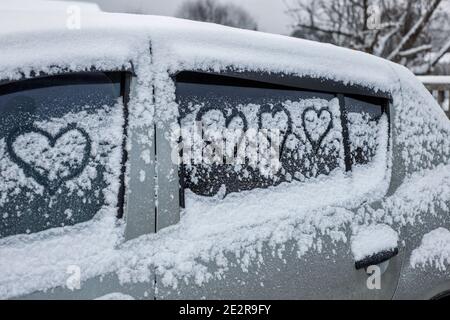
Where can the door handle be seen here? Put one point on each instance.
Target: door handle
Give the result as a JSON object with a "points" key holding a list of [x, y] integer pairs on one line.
{"points": [[376, 258]]}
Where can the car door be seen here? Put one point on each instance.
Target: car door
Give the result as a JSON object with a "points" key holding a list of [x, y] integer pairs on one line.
{"points": [[423, 198], [272, 219], [62, 185]]}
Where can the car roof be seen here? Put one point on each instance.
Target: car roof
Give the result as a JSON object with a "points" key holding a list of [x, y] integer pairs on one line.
{"points": [[46, 6], [45, 39]]}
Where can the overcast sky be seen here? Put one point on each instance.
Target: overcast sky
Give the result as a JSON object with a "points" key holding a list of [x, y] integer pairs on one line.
{"points": [[269, 14]]}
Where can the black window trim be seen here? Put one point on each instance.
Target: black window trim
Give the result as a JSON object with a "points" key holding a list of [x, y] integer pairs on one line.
{"points": [[286, 81], [125, 87], [65, 71]]}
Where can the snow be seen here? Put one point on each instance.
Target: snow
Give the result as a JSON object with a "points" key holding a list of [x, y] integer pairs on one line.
{"points": [[46, 6], [115, 296], [363, 133], [373, 239], [40, 260], [58, 156], [238, 224], [445, 58], [314, 129], [434, 250], [57, 162], [424, 144], [176, 43], [184, 250], [435, 79]]}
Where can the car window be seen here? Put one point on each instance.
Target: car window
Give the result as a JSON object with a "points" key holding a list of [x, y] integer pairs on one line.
{"points": [[272, 134], [60, 150], [365, 127]]}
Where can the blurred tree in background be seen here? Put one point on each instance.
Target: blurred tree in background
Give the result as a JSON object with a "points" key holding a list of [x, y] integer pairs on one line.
{"points": [[415, 33], [216, 12]]}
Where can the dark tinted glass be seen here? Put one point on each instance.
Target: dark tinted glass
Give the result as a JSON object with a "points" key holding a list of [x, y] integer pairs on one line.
{"points": [[364, 116], [303, 133], [60, 150]]}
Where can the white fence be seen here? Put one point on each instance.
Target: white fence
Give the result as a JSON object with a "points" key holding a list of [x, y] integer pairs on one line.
{"points": [[439, 86]]}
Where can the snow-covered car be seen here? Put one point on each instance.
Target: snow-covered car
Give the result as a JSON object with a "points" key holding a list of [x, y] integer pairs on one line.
{"points": [[158, 158]]}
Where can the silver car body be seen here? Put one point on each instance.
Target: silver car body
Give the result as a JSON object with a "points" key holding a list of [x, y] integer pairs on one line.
{"points": [[299, 256]]}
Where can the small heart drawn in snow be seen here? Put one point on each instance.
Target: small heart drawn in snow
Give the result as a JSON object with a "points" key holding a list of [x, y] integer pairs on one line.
{"points": [[50, 159], [316, 124], [273, 114]]}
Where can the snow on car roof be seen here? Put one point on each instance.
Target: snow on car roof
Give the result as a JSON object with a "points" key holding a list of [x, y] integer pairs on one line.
{"points": [[39, 40], [46, 5]]}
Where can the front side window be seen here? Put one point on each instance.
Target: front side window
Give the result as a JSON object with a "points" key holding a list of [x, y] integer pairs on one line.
{"points": [[60, 150], [243, 135]]}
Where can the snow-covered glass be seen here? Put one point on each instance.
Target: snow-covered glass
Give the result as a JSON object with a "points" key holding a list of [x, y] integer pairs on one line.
{"points": [[365, 128], [60, 150], [241, 137]]}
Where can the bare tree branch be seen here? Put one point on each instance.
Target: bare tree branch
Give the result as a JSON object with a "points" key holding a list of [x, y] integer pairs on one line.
{"points": [[410, 38], [415, 51], [216, 12], [445, 49], [404, 31], [315, 28]]}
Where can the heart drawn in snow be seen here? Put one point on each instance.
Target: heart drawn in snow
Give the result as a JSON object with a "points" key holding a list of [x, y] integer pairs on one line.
{"points": [[235, 114], [316, 124], [229, 120], [274, 117], [50, 160]]}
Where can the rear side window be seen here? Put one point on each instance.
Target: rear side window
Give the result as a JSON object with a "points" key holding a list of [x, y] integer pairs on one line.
{"points": [[366, 126], [272, 134], [60, 150]]}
